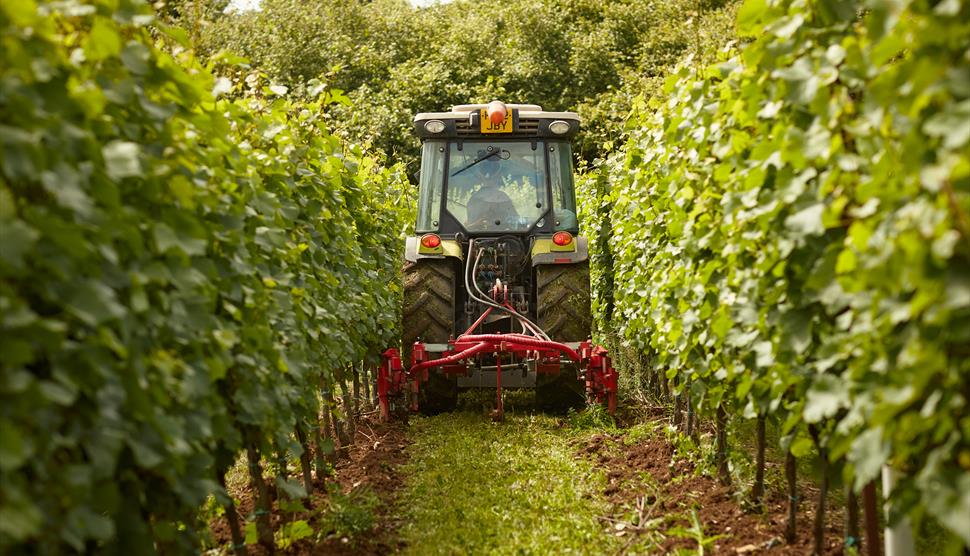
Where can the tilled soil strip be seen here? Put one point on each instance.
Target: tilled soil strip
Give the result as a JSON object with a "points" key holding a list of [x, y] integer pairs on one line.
{"points": [[673, 490], [371, 463]]}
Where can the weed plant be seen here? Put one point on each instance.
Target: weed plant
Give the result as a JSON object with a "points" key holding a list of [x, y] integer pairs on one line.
{"points": [[591, 417], [350, 514]]}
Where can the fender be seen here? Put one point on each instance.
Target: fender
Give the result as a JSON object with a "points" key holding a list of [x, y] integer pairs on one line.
{"points": [[544, 251], [413, 250]]}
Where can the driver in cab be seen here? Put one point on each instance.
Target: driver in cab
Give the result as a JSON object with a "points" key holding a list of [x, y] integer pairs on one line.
{"points": [[489, 207]]}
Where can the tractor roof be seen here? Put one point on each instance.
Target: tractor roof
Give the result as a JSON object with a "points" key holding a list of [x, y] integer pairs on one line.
{"points": [[463, 121]]}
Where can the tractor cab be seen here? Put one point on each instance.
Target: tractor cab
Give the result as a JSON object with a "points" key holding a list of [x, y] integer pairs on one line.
{"points": [[496, 278], [495, 169]]}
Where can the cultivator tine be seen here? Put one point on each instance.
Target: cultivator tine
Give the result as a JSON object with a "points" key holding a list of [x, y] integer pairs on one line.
{"points": [[390, 376], [601, 377], [499, 406]]}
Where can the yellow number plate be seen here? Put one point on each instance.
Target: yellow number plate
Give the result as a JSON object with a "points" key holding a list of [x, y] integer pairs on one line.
{"points": [[489, 127]]}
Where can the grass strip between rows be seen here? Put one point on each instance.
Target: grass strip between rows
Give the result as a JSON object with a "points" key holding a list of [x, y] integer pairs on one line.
{"points": [[513, 488]]}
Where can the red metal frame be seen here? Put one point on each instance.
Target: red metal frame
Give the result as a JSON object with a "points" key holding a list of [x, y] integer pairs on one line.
{"points": [[594, 363]]}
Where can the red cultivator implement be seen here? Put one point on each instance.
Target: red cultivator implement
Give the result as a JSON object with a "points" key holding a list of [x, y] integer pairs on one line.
{"points": [[398, 388], [516, 355]]}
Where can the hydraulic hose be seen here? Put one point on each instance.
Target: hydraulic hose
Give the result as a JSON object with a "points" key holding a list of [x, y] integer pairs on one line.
{"points": [[524, 341], [475, 349], [474, 268], [526, 326]]}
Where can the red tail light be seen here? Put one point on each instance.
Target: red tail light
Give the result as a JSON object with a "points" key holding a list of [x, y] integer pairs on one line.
{"points": [[430, 241], [562, 238]]}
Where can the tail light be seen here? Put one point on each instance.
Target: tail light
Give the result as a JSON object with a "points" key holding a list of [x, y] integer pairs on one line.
{"points": [[562, 238], [430, 241]]}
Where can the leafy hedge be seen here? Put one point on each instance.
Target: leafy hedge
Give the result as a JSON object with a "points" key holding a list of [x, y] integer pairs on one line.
{"points": [[180, 274], [790, 237]]}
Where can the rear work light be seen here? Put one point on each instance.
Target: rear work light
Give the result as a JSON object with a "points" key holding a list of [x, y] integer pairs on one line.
{"points": [[562, 238], [430, 241], [559, 127], [434, 126]]}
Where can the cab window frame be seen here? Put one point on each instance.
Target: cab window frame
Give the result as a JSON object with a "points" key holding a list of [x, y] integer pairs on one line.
{"points": [[431, 186], [562, 184], [545, 213]]}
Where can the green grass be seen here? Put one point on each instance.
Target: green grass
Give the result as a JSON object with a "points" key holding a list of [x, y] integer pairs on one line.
{"points": [[592, 417], [516, 487]]}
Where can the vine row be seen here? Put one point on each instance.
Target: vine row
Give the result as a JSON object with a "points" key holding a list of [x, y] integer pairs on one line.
{"points": [[188, 268], [786, 236]]}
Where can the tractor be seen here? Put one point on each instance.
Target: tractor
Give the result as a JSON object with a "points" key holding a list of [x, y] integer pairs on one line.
{"points": [[496, 279]]}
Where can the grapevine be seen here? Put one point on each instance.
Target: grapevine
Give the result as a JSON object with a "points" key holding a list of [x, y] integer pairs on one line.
{"points": [[790, 240], [187, 262]]}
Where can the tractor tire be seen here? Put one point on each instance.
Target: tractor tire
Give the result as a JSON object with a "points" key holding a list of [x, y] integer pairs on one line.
{"points": [[564, 313], [429, 316], [563, 301]]}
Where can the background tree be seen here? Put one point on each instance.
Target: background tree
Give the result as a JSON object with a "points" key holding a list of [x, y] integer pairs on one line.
{"points": [[393, 60]]}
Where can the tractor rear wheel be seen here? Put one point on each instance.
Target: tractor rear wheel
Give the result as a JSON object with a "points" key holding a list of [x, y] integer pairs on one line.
{"points": [[563, 301], [565, 315], [429, 316]]}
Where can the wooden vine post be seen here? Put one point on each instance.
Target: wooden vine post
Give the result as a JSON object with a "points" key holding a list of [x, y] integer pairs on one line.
{"points": [[305, 458], [264, 526], [758, 489], [327, 445], [357, 372], [365, 382], [791, 471], [333, 413], [818, 546], [852, 536], [721, 446], [678, 409], [870, 512], [347, 402], [281, 468], [232, 517], [323, 467]]}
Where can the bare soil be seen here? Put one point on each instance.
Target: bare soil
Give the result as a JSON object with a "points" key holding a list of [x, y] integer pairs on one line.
{"points": [[648, 474], [371, 462]]}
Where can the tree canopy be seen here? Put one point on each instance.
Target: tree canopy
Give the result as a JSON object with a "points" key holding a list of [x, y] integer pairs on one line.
{"points": [[394, 60]]}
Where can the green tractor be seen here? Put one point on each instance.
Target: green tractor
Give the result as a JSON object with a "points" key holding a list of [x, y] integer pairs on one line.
{"points": [[496, 281]]}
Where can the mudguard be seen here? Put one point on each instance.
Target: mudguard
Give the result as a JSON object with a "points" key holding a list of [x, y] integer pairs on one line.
{"points": [[413, 250], [544, 251]]}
